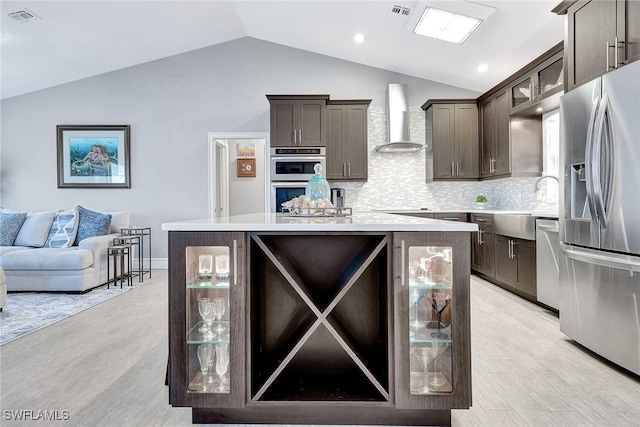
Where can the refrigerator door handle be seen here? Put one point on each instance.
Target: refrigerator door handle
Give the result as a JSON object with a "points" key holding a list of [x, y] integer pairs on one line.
{"points": [[588, 155], [605, 259], [596, 162]]}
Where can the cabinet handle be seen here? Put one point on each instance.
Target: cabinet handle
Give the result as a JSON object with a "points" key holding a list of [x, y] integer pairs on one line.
{"points": [[349, 169], [509, 248], [513, 249], [235, 262], [295, 137], [615, 52], [480, 241], [300, 136], [607, 51], [402, 262], [344, 169], [457, 169], [453, 171]]}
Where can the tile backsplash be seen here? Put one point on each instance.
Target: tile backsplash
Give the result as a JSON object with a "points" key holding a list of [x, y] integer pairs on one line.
{"points": [[397, 180]]}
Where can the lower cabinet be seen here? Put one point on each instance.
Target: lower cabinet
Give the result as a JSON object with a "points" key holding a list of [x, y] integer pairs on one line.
{"points": [[432, 353], [207, 320], [483, 245], [274, 327], [516, 264]]}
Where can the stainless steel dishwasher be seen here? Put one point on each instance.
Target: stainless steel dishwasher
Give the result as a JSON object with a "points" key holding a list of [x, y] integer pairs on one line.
{"points": [[547, 262]]}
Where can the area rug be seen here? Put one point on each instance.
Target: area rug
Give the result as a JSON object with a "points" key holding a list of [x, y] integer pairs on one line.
{"points": [[27, 312]]}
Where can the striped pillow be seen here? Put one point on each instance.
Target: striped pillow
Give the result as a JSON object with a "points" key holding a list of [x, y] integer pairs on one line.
{"points": [[64, 229]]}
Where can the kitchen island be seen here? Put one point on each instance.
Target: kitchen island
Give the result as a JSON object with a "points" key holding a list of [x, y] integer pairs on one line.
{"points": [[361, 319]]}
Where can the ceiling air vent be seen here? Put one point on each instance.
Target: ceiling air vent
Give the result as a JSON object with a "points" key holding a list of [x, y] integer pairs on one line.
{"points": [[23, 15], [400, 11]]}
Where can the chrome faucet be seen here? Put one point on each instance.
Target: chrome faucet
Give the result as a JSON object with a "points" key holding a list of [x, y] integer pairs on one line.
{"points": [[536, 186]]}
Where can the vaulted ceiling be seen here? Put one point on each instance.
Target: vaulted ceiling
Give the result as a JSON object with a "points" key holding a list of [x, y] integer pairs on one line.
{"points": [[77, 39]]}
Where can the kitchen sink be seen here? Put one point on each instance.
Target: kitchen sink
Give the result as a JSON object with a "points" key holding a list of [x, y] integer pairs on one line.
{"points": [[521, 226]]}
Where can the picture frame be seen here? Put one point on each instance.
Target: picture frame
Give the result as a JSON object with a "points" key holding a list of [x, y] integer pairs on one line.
{"points": [[246, 149], [93, 156], [246, 167]]}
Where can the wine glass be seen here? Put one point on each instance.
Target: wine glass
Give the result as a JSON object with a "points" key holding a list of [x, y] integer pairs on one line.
{"points": [[439, 301], [428, 357], [219, 307], [415, 296], [201, 310], [205, 352], [428, 265], [209, 317], [222, 362]]}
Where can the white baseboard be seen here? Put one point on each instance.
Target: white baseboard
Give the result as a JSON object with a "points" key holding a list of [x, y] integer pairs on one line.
{"points": [[156, 263]]}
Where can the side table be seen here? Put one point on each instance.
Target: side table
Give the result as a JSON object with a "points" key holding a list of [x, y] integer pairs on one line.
{"points": [[119, 255], [144, 249], [132, 241]]}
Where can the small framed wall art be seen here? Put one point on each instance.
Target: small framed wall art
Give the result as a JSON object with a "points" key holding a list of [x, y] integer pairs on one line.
{"points": [[246, 167], [93, 156]]}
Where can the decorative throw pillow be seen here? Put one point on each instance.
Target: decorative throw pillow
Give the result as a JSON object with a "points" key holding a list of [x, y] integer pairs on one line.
{"points": [[64, 229], [35, 229], [91, 224], [10, 223]]}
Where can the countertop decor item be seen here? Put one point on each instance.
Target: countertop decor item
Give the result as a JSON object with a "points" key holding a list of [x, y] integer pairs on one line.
{"points": [[481, 201]]}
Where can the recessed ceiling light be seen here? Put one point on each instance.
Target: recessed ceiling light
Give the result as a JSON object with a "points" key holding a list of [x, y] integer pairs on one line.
{"points": [[539, 109], [358, 38], [482, 68]]}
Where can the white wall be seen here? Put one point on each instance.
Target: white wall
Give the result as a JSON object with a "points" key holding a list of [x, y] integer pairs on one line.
{"points": [[247, 194], [171, 105]]}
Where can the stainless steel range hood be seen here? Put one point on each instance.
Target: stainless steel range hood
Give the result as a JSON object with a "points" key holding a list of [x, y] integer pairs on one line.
{"points": [[398, 122]]}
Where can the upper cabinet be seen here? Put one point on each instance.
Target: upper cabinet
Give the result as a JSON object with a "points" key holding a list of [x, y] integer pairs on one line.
{"points": [[347, 139], [298, 120], [494, 131], [452, 132], [545, 80], [600, 36]]}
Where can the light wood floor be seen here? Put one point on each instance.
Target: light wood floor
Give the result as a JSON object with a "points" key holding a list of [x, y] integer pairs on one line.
{"points": [[106, 366]]}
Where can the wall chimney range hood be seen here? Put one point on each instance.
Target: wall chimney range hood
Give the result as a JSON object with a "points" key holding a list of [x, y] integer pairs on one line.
{"points": [[398, 122]]}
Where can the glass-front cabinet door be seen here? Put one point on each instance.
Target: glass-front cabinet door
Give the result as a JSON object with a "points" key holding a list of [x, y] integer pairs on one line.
{"points": [[432, 319], [207, 340], [522, 93]]}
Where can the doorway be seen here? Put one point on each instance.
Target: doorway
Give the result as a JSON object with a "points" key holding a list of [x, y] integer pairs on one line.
{"points": [[230, 194]]}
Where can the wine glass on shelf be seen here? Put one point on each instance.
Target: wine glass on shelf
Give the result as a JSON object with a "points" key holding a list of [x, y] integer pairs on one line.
{"points": [[201, 309], [205, 267], [428, 358], [209, 317], [415, 296], [222, 363], [205, 352], [439, 301], [219, 307], [428, 266]]}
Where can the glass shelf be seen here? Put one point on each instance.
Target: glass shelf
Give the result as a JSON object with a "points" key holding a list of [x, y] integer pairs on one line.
{"points": [[198, 284], [196, 337]]}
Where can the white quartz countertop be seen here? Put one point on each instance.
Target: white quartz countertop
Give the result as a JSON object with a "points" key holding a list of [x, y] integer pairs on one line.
{"points": [[540, 214], [365, 221]]}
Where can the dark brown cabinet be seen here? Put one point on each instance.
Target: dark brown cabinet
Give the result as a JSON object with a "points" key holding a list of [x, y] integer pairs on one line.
{"points": [[347, 155], [451, 216], [431, 320], [195, 275], [452, 128], [544, 81], [483, 245], [298, 120], [601, 36], [495, 122], [516, 264]]}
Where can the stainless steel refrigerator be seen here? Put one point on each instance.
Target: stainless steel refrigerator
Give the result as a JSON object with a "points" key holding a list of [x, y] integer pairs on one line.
{"points": [[600, 216]]}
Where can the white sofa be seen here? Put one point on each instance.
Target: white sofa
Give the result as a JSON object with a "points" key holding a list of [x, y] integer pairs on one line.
{"points": [[72, 269]]}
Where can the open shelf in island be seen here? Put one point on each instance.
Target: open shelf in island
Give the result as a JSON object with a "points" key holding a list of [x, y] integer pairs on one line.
{"points": [[320, 310]]}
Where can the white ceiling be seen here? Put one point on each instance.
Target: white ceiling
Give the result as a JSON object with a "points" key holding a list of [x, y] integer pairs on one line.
{"points": [[78, 39]]}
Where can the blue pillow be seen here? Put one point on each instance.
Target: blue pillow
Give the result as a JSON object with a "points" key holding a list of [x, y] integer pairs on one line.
{"points": [[91, 224], [10, 224]]}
